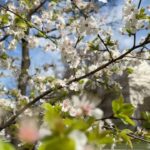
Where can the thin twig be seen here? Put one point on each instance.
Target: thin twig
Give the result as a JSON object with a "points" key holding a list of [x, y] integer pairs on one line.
{"points": [[77, 42], [134, 35], [134, 39], [110, 54], [4, 27], [139, 4], [129, 134], [28, 23], [112, 117], [34, 10], [137, 57]]}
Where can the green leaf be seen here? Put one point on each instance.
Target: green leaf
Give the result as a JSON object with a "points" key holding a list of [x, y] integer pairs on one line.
{"points": [[78, 124], [127, 109], [126, 119], [126, 131], [123, 111], [28, 3], [50, 114], [4, 56], [4, 19], [58, 143], [41, 34], [20, 23], [129, 70], [93, 47], [6, 146], [55, 1], [141, 14], [117, 105], [126, 138], [146, 115], [106, 140], [129, 32], [109, 42], [49, 110], [52, 117], [96, 137]]}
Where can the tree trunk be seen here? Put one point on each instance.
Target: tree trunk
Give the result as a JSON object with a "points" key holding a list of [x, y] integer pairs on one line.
{"points": [[25, 64]]}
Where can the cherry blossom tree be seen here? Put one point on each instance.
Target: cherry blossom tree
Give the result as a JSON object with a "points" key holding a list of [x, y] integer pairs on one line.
{"points": [[82, 106]]}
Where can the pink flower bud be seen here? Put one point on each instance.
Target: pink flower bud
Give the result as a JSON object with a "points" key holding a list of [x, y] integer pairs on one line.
{"points": [[28, 132]]}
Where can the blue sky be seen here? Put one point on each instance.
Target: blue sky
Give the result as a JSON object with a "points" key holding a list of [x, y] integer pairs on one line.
{"points": [[39, 57]]}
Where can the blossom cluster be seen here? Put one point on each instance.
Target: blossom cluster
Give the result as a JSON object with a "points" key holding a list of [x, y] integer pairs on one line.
{"points": [[75, 100], [81, 107]]}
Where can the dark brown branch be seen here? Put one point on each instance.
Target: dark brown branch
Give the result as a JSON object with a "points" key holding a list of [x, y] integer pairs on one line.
{"points": [[4, 27], [4, 38], [13, 118], [34, 10]]}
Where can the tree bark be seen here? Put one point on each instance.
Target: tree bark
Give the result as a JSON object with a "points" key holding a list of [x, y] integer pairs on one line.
{"points": [[25, 64]]}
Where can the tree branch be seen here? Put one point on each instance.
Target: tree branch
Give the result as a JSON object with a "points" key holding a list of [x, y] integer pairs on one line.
{"points": [[4, 27], [139, 4], [34, 10], [13, 118], [129, 134], [138, 58], [147, 40], [4, 38]]}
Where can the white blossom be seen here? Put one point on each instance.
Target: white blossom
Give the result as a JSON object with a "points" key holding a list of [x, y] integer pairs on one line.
{"points": [[79, 138], [81, 107], [88, 26], [97, 113], [43, 132], [74, 86], [36, 20], [66, 105], [131, 23], [32, 41]]}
